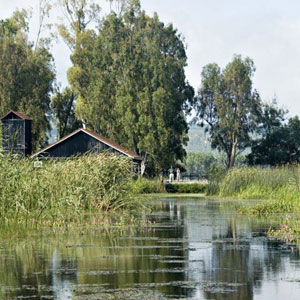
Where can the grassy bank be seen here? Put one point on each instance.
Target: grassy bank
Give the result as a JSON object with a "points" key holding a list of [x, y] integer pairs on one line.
{"points": [[279, 187], [64, 191]]}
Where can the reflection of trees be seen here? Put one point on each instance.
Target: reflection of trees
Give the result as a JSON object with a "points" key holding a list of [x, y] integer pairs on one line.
{"points": [[234, 264], [216, 247], [29, 265], [118, 258]]}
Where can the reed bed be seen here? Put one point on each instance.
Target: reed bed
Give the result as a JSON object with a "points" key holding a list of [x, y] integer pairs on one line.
{"points": [[279, 185], [64, 191]]}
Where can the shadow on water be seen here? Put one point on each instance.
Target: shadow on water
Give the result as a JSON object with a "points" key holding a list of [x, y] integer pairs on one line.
{"points": [[190, 249]]}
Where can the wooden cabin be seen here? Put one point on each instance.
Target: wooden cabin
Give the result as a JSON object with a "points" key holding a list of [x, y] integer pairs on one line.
{"points": [[16, 133], [82, 141], [16, 139]]}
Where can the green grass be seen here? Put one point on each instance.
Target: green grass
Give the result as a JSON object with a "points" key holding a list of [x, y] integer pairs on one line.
{"points": [[279, 186], [64, 191]]}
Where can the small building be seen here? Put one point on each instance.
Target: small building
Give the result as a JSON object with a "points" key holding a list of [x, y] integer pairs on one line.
{"points": [[82, 141], [16, 139], [16, 133]]}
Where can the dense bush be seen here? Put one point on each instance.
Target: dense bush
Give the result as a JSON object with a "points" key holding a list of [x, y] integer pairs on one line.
{"points": [[147, 186], [199, 163], [63, 190], [186, 188]]}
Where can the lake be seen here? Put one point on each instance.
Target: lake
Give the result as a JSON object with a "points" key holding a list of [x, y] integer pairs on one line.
{"points": [[190, 248]]}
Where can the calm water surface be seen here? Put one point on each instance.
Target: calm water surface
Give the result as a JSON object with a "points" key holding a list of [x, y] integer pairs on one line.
{"points": [[192, 249]]}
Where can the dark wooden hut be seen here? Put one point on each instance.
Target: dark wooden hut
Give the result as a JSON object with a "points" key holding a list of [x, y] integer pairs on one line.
{"points": [[16, 133], [82, 141]]}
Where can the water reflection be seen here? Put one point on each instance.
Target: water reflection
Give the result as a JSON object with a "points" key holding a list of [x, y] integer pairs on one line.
{"points": [[194, 249]]}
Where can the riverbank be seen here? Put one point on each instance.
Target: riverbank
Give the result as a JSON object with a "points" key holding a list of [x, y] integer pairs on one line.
{"points": [[280, 189]]}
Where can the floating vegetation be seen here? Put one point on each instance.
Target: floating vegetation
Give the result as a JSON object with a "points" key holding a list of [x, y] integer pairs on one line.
{"points": [[117, 294]]}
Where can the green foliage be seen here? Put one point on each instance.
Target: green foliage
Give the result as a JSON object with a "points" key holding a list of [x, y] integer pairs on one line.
{"points": [[228, 107], [131, 84], [63, 109], [63, 191], [147, 186], [289, 231], [186, 188], [80, 14], [217, 172], [199, 163], [279, 185], [279, 142], [26, 75]]}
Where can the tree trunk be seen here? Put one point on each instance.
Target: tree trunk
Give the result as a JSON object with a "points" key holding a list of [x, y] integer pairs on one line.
{"points": [[233, 153], [134, 144]]}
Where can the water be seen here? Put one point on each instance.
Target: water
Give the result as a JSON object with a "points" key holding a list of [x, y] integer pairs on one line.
{"points": [[190, 249]]}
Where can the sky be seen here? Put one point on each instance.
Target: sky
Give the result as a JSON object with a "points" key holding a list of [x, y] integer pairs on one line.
{"points": [[268, 31]]}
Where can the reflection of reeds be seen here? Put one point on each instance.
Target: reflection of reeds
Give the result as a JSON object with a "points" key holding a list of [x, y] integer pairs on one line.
{"points": [[63, 191]]}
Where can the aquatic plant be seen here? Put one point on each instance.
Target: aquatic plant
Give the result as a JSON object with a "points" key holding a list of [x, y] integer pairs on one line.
{"points": [[278, 185], [62, 191]]}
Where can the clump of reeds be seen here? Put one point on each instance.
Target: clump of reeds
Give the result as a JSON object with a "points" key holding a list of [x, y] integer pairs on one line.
{"points": [[62, 191], [280, 185]]}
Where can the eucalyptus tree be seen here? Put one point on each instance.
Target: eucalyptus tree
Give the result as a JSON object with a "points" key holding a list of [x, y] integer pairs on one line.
{"points": [[131, 84], [63, 109], [26, 75], [228, 106]]}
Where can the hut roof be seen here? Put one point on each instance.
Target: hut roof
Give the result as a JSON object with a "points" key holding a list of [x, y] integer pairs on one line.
{"points": [[98, 137], [18, 114]]}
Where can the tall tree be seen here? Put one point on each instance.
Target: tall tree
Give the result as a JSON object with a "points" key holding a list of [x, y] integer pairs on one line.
{"points": [[26, 75], [63, 108], [78, 14], [228, 106], [131, 84]]}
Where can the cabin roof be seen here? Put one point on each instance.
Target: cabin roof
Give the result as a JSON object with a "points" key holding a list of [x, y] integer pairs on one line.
{"points": [[98, 137], [18, 114]]}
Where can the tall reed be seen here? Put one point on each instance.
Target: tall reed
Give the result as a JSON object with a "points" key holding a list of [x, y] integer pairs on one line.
{"points": [[62, 191], [280, 185]]}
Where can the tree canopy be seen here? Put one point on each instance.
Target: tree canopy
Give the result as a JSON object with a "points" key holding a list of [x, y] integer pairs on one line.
{"points": [[63, 109], [228, 107], [278, 141], [26, 75], [131, 84]]}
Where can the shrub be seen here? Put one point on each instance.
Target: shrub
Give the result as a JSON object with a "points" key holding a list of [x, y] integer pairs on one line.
{"points": [[186, 188], [147, 186]]}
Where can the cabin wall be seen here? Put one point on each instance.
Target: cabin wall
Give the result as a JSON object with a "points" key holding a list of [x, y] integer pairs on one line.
{"points": [[13, 136], [28, 137]]}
